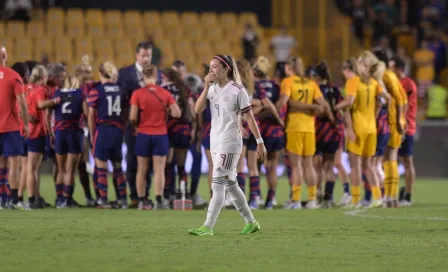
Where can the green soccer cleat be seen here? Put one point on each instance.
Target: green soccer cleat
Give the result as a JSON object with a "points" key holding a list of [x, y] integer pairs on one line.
{"points": [[251, 228], [202, 231]]}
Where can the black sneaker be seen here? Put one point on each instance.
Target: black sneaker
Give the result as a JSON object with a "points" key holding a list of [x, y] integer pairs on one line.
{"points": [[44, 203], [402, 193]]}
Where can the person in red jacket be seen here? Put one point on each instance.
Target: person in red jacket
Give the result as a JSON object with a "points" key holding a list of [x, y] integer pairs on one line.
{"points": [[406, 150], [149, 106], [13, 93]]}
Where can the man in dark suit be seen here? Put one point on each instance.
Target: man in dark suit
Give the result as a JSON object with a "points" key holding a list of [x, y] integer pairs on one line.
{"points": [[130, 78]]}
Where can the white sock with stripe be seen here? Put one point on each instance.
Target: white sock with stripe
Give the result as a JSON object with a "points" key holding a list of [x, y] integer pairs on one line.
{"points": [[217, 201], [240, 201]]}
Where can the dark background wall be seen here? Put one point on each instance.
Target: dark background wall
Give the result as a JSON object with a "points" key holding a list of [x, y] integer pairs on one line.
{"points": [[261, 7]]}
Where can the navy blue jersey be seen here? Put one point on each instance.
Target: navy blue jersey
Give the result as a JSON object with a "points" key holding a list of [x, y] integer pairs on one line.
{"points": [[68, 114], [325, 130], [107, 99]]}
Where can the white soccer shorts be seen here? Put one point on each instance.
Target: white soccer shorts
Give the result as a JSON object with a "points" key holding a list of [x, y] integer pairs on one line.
{"points": [[225, 164]]}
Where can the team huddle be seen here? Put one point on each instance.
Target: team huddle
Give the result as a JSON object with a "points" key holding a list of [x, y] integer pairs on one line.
{"points": [[240, 116]]}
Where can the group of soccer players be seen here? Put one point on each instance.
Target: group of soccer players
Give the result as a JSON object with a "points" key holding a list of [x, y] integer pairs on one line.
{"points": [[61, 116]]}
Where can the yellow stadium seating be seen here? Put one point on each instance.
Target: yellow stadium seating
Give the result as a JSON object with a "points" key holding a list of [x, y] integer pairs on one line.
{"points": [[133, 18], [221, 47], [165, 45], [203, 51], [229, 20], [234, 35], [248, 18], [189, 19], [24, 49], [168, 58], [8, 43], [113, 18], [214, 34], [170, 19], [55, 16], [83, 46], [15, 29], [194, 33], [135, 32], [37, 15], [2, 29], [157, 33], [35, 29], [94, 17], [208, 19], [104, 54], [124, 59], [102, 43], [95, 31], [63, 44], [75, 16], [174, 33], [76, 30], [43, 46], [55, 31], [123, 46], [152, 19], [114, 32]]}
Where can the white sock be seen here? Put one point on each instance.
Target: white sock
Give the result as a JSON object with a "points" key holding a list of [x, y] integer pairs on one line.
{"points": [[239, 201], [217, 201]]}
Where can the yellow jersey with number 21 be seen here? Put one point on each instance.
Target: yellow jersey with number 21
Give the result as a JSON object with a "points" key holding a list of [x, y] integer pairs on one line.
{"points": [[303, 90]]}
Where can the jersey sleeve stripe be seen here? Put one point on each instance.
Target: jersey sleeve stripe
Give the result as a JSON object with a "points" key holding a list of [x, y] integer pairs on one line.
{"points": [[246, 109]]}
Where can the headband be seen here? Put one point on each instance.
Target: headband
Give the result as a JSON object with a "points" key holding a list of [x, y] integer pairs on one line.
{"points": [[223, 61]]}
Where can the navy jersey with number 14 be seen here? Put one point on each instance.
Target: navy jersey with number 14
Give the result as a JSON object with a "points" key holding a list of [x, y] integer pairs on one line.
{"points": [[107, 99]]}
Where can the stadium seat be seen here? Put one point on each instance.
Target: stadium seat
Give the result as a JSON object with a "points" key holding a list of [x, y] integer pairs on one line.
{"points": [[168, 58], [170, 19], [55, 31], [55, 16], [248, 18], [8, 43], [123, 46], [194, 33], [203, 51], [95, 31], [189, 19], [43, 46], [104, 54], [135, 32], [263, 48], [214, 33], [76, 30], [229, 20], [208, 19], [133, 18], [165, 45], [152, 19], [174, 33], [113, 18], [35, 29], [94, 17], [75, 16], [37, 15], [24, 49], [15, 29], [221, 47], [234, 35], [183, 47], [102, 43], [63, 44], [158, 33], [124, 60], [2, 30], [83, 46], [115, 32]]}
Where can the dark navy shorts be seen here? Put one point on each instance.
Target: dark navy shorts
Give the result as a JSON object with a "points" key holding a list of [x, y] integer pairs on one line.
{"points": [[107, 143], [274, 144], [252, 143], [381, 144], [329, 147], [151, 145], [179, 140], [69, 141], [38, 145], [206, 142], [11, 144], [407, 146]]}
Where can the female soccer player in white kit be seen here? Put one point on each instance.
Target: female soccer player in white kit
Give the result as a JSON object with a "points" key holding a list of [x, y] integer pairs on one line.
{"points": [[228, 102]]}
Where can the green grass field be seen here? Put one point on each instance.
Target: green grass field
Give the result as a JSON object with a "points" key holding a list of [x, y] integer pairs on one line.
{"points": [[404, 239]]}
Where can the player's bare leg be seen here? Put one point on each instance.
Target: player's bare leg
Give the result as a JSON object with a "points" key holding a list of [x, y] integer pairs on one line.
{"points": [[142, 173], [356, 179], [311, 177], [33, 165], [391, 180], [240, 171], [69, 178], [295, 162], [409, 167], [346, 197], [271, 176], [23, 178], [330, 179], [181, 157], [373, 180], [159, 163], [319, 167], [13, 178], [170, 186], [255, 199]]}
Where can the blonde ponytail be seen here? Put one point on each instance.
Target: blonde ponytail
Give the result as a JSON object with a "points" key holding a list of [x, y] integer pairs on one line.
{"points": [[245, 72], [236, 74], [37, 74], [261, 67], [83, 71], [108, 70], [71, 82]]}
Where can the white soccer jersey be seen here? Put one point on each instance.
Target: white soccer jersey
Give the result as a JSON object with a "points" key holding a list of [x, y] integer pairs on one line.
{"points": [[226, 106]]}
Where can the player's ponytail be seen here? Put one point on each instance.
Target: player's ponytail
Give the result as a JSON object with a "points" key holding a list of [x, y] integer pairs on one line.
{"points": [[261, 67], [71, 82], [246, 75], [37, 74], [108, 70], [352, 65], [175, 78], [296, 64], [229, 63], [323, 72]]}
